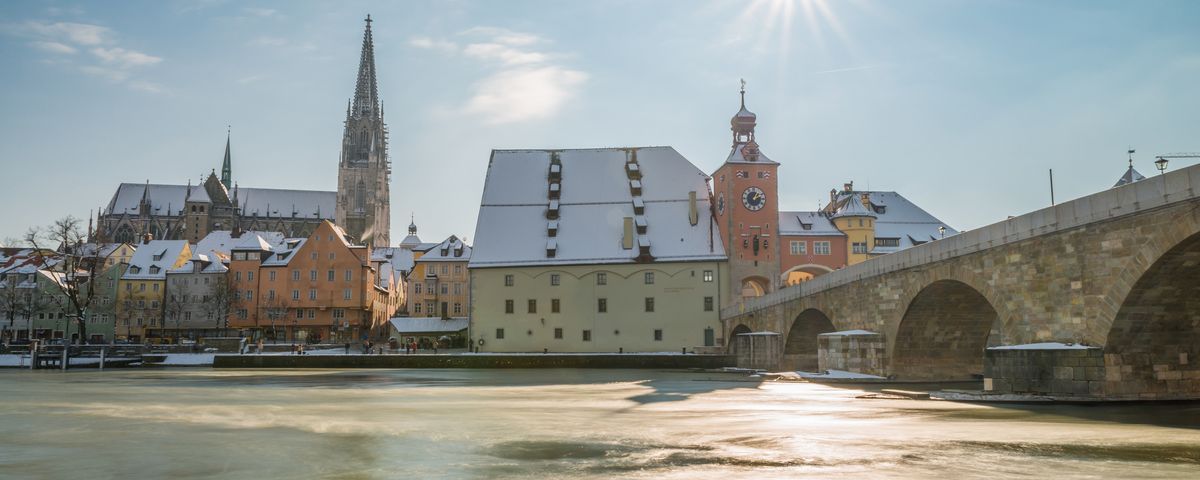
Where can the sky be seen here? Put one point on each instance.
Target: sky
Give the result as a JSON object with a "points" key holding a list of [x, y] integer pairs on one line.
{"points": [[961, 106]]}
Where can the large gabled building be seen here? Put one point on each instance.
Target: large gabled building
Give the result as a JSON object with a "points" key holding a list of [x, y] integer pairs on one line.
{"points": [[595, 250]]}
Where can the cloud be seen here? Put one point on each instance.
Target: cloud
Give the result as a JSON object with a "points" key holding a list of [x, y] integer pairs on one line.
{"points": [[53, 47], [505, 54], [524, 82], [526, 93], [108, 61], [432, 44], [59, 11], [77, 33], [261, 12], [125, 58]]}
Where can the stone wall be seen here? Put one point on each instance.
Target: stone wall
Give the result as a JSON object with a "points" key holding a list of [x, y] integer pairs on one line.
{"points": [[761, 350], [860, 353], [1056, 372]]}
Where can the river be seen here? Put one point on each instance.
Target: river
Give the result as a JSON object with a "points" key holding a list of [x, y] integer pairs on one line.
{"points": [[351, 424]]}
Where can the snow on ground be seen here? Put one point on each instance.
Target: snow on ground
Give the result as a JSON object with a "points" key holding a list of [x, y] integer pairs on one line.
{"points": [[839, 374], [1043, 346]]}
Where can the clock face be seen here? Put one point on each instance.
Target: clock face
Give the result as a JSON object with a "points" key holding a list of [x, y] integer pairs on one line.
{"points": [[721, 204], [754, 199]]}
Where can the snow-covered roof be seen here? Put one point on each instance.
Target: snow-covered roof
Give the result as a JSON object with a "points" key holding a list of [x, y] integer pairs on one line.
{"points": [[452, 249], [410, 241], [406, 325], [271, 202], [164, 199], [252, 241], [736, 156], [851, 205], [284, 253], [222, 241], [845, 333], [208, 264], [1129, 177], [1044, 346], [594, 200], [152, 260], [902, 219], [807, 223], [401, 259], [100, 250]]}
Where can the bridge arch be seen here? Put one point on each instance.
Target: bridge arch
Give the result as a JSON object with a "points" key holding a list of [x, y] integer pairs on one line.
{"points": [[1153, 345], [755, 286], [730, 344], [943, 333], [800, 349]]}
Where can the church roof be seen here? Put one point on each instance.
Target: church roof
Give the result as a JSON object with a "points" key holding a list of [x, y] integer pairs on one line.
{"points": [[1129, 177], [271, 202], [165, 200], [595, 196]]}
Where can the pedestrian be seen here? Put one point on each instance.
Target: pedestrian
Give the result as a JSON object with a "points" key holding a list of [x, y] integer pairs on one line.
{"points": [[302, 349], [260, 346], [347, 348], [242, 346]]}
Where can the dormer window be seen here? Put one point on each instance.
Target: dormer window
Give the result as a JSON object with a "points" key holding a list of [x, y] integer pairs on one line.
{"points": [[160, 255], [134, 269], [154, 269]]}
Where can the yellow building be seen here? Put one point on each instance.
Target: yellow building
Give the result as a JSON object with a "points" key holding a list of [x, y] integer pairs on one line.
{"points": [[141, 289], [595, 250], [856, 220], [439, 285]]}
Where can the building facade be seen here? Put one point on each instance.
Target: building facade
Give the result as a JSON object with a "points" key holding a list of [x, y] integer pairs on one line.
{"points": [[364, 170], [316, 289], [142, 288], [595, 250], [198, 298], [441, 285]]}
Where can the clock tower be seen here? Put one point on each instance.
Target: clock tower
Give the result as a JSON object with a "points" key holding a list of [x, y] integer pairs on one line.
{"points": [[747, 201]]}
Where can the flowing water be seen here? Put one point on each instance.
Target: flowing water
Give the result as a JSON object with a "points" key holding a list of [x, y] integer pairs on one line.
{"points": [[205, 423]]}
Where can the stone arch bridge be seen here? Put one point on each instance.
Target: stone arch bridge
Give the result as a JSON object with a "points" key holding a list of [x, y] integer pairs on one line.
{"points": [[1098, 296]]}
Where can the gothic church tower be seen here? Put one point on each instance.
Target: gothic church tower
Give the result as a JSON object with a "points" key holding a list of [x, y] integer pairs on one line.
{"points": [[364, 170]]}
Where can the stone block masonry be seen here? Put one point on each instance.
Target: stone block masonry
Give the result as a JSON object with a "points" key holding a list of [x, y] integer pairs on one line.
{"points": [[1049, 371], [859, 352]]}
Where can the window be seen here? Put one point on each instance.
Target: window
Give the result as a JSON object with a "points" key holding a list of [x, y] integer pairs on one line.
{"points": [[821, 248], [458, 269], [887, 242], [558, 333], [249, 276], [649, 278], [347, 294], [587, 335], [249, 294], [508, 306], [499, 334], [708, 304], [859, 247], [153, 304], [416, 308], [799, 247], [458, 289], [601, 278], [312, 313], [445, 288], [295, 294], [299, 313], [508, 280], [312, 294], [296, 275], [658, 334], [602, 305], [554, 279], [271, 275], [349, 275], [417, 288], [554, 305], [332, 255], [141, 287], [241, 313], [532, 306], [339, 314], [312, 275], [270, 294], [457, 308], [444, 271], [330, 275], [708, 275], [649, 304]]}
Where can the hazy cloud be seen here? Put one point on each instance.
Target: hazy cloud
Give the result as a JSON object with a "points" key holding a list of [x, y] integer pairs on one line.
{"points": [[125, 58], [77, 33], [261, 12], [54, 47], [525, 84]]}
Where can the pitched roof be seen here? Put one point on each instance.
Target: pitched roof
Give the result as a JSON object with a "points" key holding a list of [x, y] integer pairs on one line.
{"points": [[1129, 177], [902, 219], [452, 249], [807, 224], [222, 241], [595, 196], [271, 202], [429, 324], [152, 260]]}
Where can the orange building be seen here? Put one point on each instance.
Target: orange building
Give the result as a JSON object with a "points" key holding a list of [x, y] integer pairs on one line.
{"points": [[316, 289]]}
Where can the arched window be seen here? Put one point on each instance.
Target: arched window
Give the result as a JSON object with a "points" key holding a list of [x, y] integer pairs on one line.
{"points": [[124, 234]]}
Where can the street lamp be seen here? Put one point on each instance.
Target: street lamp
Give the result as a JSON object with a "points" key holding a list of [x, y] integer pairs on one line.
{"points": [[1161, 163], [942, 231]]}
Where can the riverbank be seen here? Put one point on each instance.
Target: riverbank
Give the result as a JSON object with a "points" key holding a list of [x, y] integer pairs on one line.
{"points": [[480, 360]]}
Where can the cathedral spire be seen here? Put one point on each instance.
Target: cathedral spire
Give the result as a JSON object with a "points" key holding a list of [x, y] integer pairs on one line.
{"points": [[366, 91], [227, 167]]}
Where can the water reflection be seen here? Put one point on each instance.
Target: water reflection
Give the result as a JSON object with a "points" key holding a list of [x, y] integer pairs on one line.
{"points": [[538, 423]]}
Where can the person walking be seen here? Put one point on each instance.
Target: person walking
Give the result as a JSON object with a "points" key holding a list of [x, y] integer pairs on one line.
{"points": [[347, 348], [260, 346]]}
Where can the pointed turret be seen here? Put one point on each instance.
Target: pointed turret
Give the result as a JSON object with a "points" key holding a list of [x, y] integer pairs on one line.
{"points": [[366, 91], [227, 167]]}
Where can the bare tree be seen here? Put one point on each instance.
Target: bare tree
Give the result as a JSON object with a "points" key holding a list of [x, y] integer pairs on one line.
{"points": [[67, 235], [19, 302], [174, 306], [276, 310], [220, 302]]}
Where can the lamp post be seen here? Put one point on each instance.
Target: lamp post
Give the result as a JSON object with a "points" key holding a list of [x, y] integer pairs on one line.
{"points": [[1161, 164], [942, 231]]}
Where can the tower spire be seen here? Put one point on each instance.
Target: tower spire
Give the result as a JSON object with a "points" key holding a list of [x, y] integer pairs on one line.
{"points": [[227, 167], [743, 92], [366, 91]]}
